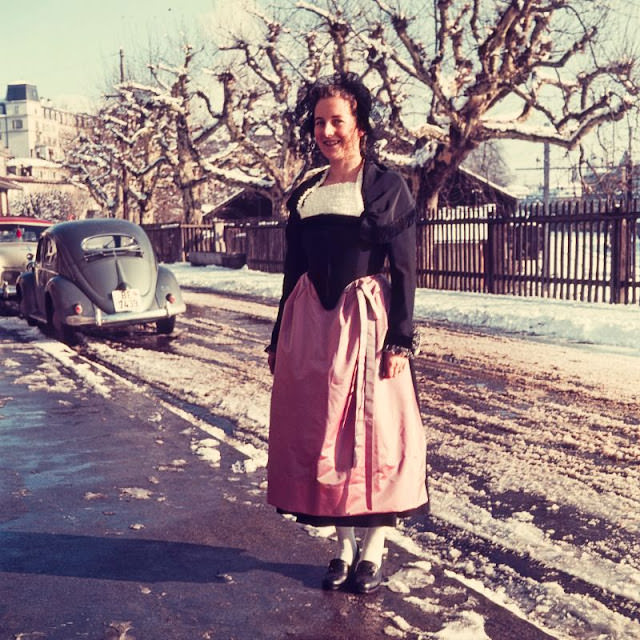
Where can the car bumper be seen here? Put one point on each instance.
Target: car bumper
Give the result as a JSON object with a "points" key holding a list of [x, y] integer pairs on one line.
{"points": [[126, 317]]}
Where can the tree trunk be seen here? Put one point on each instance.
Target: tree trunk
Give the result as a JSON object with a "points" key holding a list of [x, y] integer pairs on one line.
{"points": [[426, 196], [432, 178], [191, 204], [430, 181], [279, 206]]}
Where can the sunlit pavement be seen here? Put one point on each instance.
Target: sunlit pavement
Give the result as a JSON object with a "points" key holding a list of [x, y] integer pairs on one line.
{"points": [[113, 526], [109, 522]]}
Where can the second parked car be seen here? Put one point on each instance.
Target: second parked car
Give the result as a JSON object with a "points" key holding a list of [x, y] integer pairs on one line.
{"points": [[100, 272], [18, 238]]}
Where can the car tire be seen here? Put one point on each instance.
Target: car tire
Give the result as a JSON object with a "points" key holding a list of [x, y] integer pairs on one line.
{"points": [[22, 310], [166, 325], [62, 332]]}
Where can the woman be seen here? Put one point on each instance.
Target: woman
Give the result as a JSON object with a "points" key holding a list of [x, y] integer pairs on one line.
{"points": [[346, 442]]}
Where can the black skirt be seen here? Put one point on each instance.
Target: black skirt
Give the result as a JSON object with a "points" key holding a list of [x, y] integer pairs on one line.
{"points": [[364, 520]]}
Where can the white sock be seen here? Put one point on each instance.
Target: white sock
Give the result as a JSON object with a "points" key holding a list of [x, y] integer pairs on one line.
{"points": [[373, 545], [347, 544]]}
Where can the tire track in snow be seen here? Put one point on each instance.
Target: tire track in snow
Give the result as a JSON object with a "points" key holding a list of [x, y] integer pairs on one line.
{"points": [[512, 431]]}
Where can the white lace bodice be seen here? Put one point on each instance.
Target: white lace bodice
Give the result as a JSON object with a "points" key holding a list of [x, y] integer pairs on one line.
{"points": [[342, 198]]}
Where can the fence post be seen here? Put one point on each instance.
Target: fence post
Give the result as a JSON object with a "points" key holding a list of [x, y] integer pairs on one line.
{"points": [[615, 261], [621, 246], [489, 258]]}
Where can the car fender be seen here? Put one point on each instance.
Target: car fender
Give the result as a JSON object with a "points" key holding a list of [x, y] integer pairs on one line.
{"points": [[165, 284], [65, 295]]}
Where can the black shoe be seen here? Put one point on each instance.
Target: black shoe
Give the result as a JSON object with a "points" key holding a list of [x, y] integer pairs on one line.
{"points": [[337, 574], [367, 577]]}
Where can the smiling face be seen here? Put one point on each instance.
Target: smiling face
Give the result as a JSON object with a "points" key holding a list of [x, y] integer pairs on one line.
{"points": [[336, 130]]}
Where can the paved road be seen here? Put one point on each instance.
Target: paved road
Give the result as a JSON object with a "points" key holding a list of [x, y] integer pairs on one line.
{"points": [[112, 526]]}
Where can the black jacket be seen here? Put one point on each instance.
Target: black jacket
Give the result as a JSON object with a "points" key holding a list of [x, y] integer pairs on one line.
{"points": [[336, 250]]}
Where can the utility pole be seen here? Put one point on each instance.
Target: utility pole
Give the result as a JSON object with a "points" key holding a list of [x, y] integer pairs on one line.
{"points": [[629, 176], [121, 65], [546, 227], [125, 176], [546, 176]]}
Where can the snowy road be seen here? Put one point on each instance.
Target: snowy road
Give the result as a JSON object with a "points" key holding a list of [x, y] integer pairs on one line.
{"points": [[534, 458], [534, 463]]}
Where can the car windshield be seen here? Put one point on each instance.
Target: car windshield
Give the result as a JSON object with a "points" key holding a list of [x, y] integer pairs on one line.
{"points": [[108, 245], [19, 233]]}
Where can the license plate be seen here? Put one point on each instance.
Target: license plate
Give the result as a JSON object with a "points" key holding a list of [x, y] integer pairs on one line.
{"points": [[126, 300]]}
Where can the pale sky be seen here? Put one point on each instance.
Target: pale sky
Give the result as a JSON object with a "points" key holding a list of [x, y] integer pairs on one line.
{"points": [[71, 47]]}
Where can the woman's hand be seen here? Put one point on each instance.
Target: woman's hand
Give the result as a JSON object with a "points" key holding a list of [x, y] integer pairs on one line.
{"points": [[393, 364]]}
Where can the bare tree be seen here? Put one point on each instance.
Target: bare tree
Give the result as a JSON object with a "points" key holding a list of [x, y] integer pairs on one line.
{"points": [[121, 158], [450, 78], [208, 134], [260, 73], [93, 161], [236, 129], [51, 204], [471, 71], [144, 136], [193, 121]]}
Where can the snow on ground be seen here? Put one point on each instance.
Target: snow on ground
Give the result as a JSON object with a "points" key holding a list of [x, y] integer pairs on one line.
{"points": [[581, 460], [543, 449], [595, 323]]}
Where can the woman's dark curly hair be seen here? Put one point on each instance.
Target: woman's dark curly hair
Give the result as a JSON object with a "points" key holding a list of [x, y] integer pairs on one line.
{"points": [[345, 85]]}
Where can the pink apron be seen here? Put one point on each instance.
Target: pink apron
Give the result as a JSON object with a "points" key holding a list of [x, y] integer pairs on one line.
{"points": [[343, 440]]}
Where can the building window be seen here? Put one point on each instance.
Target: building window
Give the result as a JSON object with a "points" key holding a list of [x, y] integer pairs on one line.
{"points": [[16, 124]]}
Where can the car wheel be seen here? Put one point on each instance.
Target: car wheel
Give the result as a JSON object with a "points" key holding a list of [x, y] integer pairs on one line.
{"points": [[166, 325], [62, 332], [22, 310]]}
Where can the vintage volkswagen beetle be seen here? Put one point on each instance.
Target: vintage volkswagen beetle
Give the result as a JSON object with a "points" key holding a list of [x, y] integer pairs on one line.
{"points": [[99, 272], [18, 238]]}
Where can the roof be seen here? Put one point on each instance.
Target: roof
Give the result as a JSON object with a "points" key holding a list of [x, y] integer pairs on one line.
{"points": [[96, 226], [494, 185], [6, 184], [212, 208], [70, 234], [22, 91], [33, 162]]}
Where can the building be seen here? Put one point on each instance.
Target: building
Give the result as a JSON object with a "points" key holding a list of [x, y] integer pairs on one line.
{"points": [[37, 168], [33, 137], [30, 128], [465, 188], [5, 183]]}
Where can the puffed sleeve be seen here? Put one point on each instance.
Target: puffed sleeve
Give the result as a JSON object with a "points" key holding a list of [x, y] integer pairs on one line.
{"points": [[402, 263], [390, 220]]}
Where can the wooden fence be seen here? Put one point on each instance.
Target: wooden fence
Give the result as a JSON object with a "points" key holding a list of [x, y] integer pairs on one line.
{"points": [[587, 251]]}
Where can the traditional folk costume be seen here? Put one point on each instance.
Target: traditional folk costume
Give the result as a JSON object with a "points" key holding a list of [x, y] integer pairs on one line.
{"points": [[346, 446]]}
